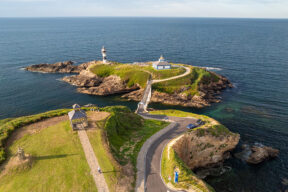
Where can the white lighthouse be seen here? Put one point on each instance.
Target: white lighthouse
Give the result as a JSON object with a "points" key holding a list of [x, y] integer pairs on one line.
{"points": [[103, 50]]}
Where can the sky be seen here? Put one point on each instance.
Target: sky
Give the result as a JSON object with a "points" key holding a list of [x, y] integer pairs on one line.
{"points": [[145, 8]]}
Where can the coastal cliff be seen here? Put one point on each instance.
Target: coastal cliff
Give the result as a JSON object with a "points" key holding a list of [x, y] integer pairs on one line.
{"points": [[205, 148]]}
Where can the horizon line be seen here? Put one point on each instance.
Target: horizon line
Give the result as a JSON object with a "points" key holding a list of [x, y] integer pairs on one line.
{"points": [[188, 17]]}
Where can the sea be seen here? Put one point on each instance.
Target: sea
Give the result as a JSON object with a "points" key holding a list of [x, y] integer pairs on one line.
{"points": [[252, 53]]}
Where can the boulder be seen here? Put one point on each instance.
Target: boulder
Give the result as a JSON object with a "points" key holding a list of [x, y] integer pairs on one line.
{"points": [[261, 153]]}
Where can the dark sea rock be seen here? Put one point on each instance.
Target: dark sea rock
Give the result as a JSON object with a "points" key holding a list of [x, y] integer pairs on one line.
{"points": [[59, 67], [257, 153]]}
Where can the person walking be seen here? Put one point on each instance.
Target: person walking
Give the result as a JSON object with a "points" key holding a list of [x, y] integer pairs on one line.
{"points": [[99, 170]]}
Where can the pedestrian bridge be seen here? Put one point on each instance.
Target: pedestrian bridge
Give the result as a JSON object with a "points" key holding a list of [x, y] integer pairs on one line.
{"points": [[142, 105]]}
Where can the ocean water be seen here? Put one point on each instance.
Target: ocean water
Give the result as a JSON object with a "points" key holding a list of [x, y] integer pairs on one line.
{"points": [[252, 53]]}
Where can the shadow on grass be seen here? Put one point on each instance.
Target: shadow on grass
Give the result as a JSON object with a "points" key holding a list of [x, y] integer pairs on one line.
{"points": [[52, 156], [110, 171]]}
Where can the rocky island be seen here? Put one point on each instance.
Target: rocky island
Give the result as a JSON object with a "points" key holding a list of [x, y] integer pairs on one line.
{"points": [[199, 88]]}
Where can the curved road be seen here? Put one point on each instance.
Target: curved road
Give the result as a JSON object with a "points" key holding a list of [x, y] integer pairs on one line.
{"points": [[154, 182], [152, 160]]}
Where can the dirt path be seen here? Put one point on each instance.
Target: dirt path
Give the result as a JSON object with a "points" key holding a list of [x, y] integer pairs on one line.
{"points": [[34, 128], [90, 155]]}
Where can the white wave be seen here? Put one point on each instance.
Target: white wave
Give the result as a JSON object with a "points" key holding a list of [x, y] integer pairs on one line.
{"points": [[213, 68]]}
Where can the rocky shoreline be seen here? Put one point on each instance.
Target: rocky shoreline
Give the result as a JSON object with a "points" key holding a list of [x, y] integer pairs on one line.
{"points": [[89, 83], [59, 67]]}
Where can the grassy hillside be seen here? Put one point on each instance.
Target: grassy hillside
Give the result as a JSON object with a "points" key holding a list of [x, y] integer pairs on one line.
{"points": [[7, 126], [134, 74], [188, 84], [59, 163], [126, 133], [120, 138]]}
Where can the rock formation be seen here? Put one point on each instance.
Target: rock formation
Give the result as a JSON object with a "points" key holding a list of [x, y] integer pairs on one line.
{"points": [[59, 67], [257, 153], [110, 85], [201, 148], [84, 79]]}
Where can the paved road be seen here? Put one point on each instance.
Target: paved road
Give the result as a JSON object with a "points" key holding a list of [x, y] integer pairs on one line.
{"points": [[154, 182], [153, 179]]}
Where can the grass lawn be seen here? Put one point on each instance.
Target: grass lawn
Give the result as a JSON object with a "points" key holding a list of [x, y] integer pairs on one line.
{"points": [[7, 126], [59, 163], [163, 74], [134, 74]]}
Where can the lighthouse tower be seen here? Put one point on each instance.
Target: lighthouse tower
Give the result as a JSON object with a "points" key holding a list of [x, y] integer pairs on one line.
{"points": [[103, 50]]}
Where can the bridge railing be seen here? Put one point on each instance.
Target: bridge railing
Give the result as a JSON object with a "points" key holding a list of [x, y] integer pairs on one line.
{"points": [[142, 106]]}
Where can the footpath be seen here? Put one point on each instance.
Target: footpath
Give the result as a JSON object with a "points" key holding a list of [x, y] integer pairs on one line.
{"points": [[93, 162]]}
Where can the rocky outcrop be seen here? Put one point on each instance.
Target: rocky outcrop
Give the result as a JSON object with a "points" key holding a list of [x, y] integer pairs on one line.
{"points": [[201, 148], [59, 67], [257, 153], [110, 85], [84, 79], [208, 93]]}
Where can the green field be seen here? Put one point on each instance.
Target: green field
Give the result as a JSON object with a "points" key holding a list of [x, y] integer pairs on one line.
{"points": [[7, 126], [59, 163], [134, 74]]}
